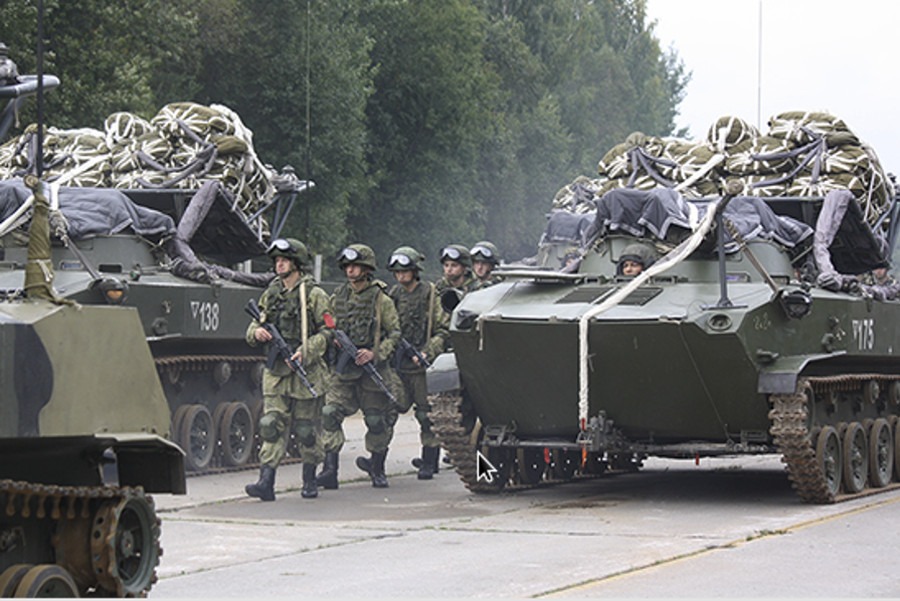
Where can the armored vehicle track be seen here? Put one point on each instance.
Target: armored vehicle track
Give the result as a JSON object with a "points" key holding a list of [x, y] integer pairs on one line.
{"points": [[106, 540]]}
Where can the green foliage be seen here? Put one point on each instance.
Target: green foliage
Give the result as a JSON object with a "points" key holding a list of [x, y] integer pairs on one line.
{"points": [[422, 122], [110, 55]]}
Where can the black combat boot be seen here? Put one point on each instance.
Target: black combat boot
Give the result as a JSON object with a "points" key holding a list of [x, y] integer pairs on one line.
{"points": [[264, 489], [374, 466], [310, 490], [328, 477], [428, 462]]}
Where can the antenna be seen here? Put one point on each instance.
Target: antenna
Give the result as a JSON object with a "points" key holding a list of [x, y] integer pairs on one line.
{"points": [[759, 71], [308, 137], [39, 153]]}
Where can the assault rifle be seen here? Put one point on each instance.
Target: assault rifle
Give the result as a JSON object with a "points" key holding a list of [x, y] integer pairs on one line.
{"points": [[350, 351], [404, 350], [278, 348]]}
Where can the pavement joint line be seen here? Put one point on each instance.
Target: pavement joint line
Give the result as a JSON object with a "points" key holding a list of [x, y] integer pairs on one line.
{"points": [[761, 535], [283, 555]]}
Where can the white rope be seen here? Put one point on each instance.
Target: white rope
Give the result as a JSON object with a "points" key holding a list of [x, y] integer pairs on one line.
{"points": [[706, 168], [672, 258], [18, 217]]}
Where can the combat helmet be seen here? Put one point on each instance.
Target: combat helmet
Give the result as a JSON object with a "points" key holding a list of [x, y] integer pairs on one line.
{"points": [[485, 251], [639, 253], [458, 253], [359, 254], [292, 249], [406, 257]]}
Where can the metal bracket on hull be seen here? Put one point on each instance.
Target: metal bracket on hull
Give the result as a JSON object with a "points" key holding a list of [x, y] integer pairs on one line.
{"points": [[496, 436], [599, 435]]}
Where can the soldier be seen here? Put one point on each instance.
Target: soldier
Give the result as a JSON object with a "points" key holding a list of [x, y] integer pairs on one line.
{"points": [[879, 284], [484, 259], [424, 326], [366, 314], [457, 265], [456, 283], [634, 259], [297, 307]]}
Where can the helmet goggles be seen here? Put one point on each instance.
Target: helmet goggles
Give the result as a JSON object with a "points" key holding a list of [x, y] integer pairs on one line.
{"points": [[400, 260], [348, 255], [450, 253], [282, 245]]}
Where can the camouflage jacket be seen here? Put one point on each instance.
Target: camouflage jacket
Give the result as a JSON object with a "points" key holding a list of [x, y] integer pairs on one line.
{"points": [[415, 309], [887, 289], [355, 313], [281, 306], [490, 281]]}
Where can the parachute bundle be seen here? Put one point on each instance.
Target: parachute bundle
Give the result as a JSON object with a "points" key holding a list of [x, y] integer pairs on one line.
{"points": [[182, 146], [801, 154]]}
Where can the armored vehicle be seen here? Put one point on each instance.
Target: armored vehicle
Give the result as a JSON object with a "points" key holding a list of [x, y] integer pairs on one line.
{"points": [[123, 248], [165, 216], [83, 421], [758, 325]]}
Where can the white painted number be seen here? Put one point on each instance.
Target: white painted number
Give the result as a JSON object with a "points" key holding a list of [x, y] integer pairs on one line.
{"points": [[864, 333], [207, 314]]}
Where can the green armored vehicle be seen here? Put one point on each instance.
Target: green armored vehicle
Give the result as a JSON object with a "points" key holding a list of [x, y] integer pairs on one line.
{"points": [[79, 452], [124, 248], [166, 216], [755, 325]]}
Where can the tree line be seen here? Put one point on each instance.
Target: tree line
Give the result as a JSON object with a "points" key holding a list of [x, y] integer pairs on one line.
{"points": [[422, 122]]}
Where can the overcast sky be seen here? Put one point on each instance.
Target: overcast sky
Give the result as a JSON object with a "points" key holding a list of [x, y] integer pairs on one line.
{"points": [[816, 55]]}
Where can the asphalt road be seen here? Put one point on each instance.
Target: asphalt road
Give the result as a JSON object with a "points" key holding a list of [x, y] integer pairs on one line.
{"points": [[724, 528]]}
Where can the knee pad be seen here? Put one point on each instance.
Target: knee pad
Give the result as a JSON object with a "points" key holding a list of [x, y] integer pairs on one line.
{"points": [[306, 432], [332, 416], [271, 427], [375, 422]]}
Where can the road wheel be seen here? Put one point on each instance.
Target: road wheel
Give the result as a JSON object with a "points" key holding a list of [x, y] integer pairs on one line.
{"points": [[881, 453], [47, 580], [855, 458], [11, 577], [197, 437], [236, 430], [829, 459], [125, 546], [896, 429]]}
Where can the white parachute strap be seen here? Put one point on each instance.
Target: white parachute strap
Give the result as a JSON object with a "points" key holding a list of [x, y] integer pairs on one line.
{"points": [[672, 258], [53, 195], [85, 166], [304, 320], [706, 168], [18, 217]]}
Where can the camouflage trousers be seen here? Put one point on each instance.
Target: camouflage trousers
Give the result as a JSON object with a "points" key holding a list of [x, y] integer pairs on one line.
{"points": [[346, 397], [283, 411], [416, 394]]}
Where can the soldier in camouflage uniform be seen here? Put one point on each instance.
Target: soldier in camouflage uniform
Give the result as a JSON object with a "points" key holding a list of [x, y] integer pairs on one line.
{"points": [[425, 326], [880, 284], [367, 315], [297, 307], [485, 258], [458, 279]]}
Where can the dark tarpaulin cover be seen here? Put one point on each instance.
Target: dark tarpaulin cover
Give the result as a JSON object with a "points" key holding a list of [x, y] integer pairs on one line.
{"points": [[92, 211], [106, 211], [652, 213], [564, 226]]}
